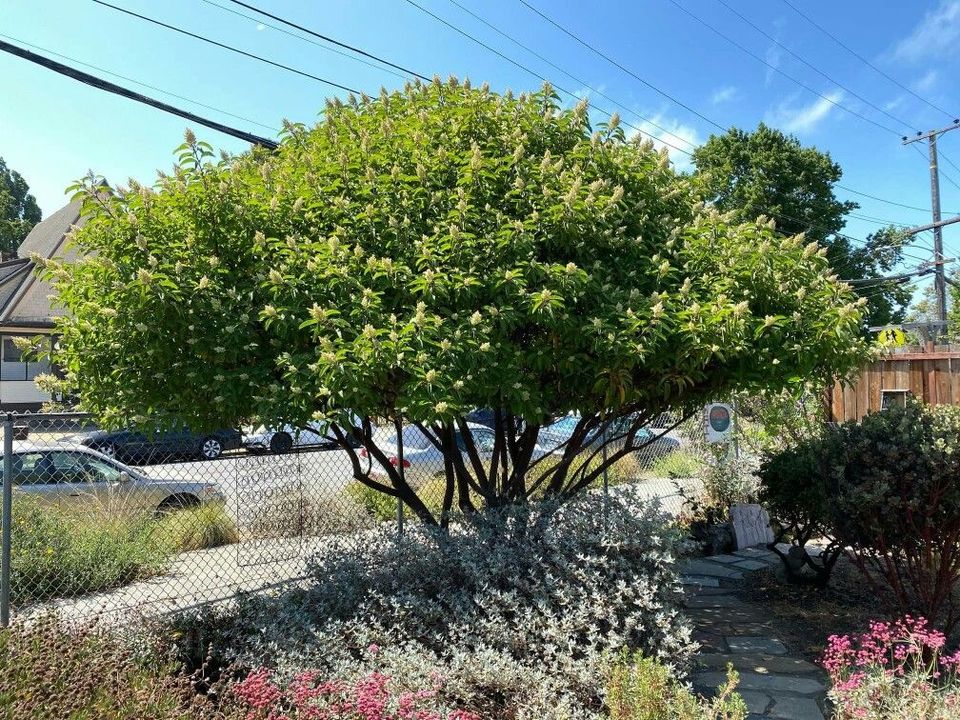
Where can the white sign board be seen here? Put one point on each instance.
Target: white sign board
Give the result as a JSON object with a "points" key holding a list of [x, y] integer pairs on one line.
{"points": [[718, 422]]}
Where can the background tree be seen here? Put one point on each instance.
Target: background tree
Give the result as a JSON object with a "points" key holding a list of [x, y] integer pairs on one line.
{"points": [[19, 211], [435, 250], [766, 172]]}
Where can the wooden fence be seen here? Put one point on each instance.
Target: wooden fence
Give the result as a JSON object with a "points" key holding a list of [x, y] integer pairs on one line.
{"points": [[930, 373]]}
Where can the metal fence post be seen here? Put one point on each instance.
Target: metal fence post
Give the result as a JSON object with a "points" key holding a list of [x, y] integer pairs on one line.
{"points": [[7, 521], [403, 476], [606, 479]]}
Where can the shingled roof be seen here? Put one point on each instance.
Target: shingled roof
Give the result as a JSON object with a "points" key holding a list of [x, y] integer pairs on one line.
{"points": [[25, 298]]}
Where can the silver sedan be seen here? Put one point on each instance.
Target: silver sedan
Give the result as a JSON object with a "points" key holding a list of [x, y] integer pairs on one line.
{"points": [[74, 476]]}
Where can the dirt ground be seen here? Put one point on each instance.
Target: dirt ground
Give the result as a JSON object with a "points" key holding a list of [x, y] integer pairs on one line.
{"points": [[807, 615]]}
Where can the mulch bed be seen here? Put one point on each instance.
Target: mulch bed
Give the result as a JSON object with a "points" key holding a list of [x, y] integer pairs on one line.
{"points": [[806, 616]]}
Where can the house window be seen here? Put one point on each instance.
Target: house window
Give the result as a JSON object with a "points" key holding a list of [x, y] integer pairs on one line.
{"points": [[893, 398], [13, 366]]}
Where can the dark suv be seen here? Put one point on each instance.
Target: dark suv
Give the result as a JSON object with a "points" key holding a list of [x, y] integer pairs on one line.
{"points": [[140, 447]]}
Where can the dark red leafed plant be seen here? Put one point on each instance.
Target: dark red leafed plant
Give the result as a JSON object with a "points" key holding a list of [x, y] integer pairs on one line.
{"points": [[897, 505]]}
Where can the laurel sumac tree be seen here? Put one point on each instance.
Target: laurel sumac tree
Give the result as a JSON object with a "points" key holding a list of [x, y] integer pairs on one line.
{"points": [[427, 252]]}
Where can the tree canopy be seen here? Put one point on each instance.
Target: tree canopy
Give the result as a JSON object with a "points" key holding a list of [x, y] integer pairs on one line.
{"points": [[431, 251], [766, 172], [19, 211]]}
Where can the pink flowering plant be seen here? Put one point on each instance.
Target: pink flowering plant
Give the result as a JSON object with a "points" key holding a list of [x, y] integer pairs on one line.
{"points": [[310, 696], [895, 670]]}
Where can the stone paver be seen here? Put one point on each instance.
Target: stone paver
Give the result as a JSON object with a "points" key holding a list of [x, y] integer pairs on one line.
{"points": [[798, 685], [702, 580], [751, 565], [734, 632], [757, 702], [725, 559], [745, 644], [795, 708], [758, 663], [753, 552], [714, 601], [702, 567]]}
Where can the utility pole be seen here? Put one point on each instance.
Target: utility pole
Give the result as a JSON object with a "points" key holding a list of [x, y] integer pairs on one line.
{"points": [[939, 285], [939, 282]]}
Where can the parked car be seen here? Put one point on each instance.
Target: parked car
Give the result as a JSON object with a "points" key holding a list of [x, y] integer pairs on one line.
{"points": [[485, 416], [160, 446], [68, 475], [553, 436], [312, 435], [421, 458]]}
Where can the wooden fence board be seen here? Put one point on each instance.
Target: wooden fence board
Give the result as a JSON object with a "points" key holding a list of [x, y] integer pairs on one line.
{"points": [[933, 377]]}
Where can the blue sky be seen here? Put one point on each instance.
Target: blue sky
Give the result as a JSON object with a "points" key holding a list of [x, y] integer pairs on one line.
{"points": [[53, 129]]}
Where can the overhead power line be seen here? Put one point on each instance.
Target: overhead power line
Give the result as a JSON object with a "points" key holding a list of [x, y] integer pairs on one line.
{"points": [[535, 74], [102, 84], [140, 83], [205, 39], [942, 172], [613, 62], [322, 46], [623, 68], [901, 278], [574, 78], [329, 39], [813, 67], [747, 51], [879, 220], [884, 200], [864, 60], [561, 89], [952, 164]]}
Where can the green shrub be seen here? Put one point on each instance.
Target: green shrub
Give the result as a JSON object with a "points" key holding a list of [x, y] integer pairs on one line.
{"points": [[888, 489], [59, 554], [797, 488], [519, 609], [51, 670], [376, 504], [196, 528], [383, 507], [676, 465], [898, 505], [639, 688]]}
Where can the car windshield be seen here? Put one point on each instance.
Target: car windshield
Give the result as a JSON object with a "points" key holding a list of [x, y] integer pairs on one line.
{"points": [[101, 470], [564, 426], [413, 439]]}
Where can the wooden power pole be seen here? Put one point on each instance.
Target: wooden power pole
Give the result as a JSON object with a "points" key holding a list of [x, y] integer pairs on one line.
{"points": [[940, 284]]}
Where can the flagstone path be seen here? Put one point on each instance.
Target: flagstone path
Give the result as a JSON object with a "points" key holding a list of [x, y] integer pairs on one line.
{"points": [[773, 684]]}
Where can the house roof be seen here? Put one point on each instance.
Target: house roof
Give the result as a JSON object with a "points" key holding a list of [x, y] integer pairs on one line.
{"points": [[24, 297], [46, 238]]}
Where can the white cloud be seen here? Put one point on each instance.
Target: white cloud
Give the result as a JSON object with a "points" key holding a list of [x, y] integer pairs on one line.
{"points": [[774, 56], [261, 26], [936, 34], [588, 92], [677, 134], [895, 103], [793, 119], [723, 94], [925, 83]]}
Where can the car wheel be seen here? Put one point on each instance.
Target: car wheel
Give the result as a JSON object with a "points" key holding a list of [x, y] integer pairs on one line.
{"points": [[108, 449], [177, 502], [281, 442], [210, 448]]}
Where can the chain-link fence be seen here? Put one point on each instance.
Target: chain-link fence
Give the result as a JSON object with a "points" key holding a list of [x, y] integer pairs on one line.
{"points": [[99, 522]]}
